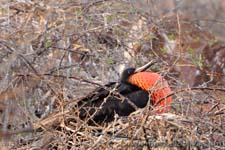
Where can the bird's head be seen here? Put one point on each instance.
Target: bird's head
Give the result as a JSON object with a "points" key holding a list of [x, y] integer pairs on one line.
{"points": [[126, 74], [150, 82], [130, 71]]}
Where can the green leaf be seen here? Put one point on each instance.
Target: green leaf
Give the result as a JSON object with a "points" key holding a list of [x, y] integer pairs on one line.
{"points": [[79, 12], [109, 18], [199, 61], [213, 41], [171, 37], [190, 52], [110, 61], [164, 50], [3, 10], [48, 44]]}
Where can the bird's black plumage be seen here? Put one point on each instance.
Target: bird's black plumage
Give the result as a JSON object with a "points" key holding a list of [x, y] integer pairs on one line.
{"points": [[120, 98]]}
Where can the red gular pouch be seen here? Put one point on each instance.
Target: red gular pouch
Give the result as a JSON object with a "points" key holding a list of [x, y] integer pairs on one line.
{"points": [[157, 86]]}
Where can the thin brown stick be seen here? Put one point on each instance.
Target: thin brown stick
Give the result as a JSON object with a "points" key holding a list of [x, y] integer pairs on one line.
{"points": [[188, 89]]}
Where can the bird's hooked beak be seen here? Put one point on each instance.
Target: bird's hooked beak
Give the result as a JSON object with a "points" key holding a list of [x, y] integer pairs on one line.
{"points": [[145, 67]]}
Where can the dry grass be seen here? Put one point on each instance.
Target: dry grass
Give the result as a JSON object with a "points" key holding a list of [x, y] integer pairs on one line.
{"points": [[54, 53]]}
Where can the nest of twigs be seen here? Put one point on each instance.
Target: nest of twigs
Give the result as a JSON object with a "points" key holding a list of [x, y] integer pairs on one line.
{"points": [[192, 127]]}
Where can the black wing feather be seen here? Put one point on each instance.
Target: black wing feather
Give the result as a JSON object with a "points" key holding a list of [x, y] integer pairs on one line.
{"points": [[101, 105]]}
